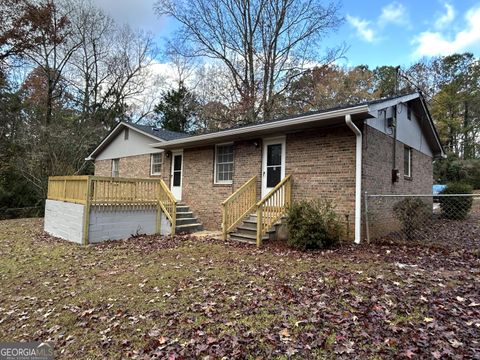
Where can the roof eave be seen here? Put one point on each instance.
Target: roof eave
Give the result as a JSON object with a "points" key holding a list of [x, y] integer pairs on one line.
{"points": [[441, 154], [107, 139], [254, 130]]}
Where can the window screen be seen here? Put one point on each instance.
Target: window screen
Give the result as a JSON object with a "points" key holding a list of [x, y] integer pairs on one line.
{"points": [[115, 167], [407, 161], [156, 161], [274, 165], [224, 163], [177, 170]]}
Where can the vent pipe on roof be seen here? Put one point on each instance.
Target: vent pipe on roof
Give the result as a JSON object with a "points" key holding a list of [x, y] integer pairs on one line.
{"points": [[358, 177]]}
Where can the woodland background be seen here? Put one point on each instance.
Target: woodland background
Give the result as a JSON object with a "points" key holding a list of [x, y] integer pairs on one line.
{"points": [[69, 73]]}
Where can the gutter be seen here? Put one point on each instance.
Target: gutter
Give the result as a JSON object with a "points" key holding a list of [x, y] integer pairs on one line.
{"points": [[358, 177], [250, 130]]}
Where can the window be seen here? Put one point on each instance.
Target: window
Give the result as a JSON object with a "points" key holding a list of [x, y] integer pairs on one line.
{"points": [[224, 164], [407, 162], [126, 133], [115, 167], [156, 162], [409, 112]]}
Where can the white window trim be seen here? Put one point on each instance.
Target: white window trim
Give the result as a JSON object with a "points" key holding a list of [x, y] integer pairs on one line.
{"points": [[222, 182], [151, 164], [269, 141], [409, 174]]}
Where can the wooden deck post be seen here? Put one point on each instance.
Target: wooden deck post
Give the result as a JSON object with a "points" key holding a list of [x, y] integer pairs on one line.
{"points": [[259, 226], [158, 227], [224, 224], [86, 218]]}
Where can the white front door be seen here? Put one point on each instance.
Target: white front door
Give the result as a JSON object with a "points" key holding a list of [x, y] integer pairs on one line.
{"points": [[273, 163], [176, 177]]}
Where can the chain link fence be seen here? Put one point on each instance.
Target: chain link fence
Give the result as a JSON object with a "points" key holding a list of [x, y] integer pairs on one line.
{"points": [[438, 219]]}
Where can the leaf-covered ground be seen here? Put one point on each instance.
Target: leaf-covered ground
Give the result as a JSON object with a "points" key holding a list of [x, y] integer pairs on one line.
{"points": [[151, 297]]}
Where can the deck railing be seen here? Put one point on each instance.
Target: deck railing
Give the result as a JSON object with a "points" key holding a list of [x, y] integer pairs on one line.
{"points": [[109, 191], [105, 192], [168, 204], [238, 205], [68, 188], [273, 206]]}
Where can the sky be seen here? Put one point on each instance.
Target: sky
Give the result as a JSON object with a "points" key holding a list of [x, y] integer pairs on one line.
{"points": [[377, 32]]}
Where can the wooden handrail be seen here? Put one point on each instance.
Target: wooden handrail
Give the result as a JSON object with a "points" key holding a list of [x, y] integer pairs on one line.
{"points": [[238, 205], [235, 194], [273, 206], [278, 186], [168, 203]]}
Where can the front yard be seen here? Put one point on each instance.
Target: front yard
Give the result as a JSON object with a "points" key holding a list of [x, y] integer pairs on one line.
{"points": [[183, 298]]}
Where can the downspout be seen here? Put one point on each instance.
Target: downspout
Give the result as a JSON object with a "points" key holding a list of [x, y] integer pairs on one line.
{"points": [[358, 177]]}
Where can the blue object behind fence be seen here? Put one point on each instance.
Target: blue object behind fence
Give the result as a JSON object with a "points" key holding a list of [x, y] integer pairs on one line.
{"points": [[437, 188]]}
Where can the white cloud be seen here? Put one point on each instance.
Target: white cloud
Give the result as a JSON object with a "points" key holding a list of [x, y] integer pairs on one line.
{"points": [[363, 28], [393, 13], [138, 14], [446, 18], [432, 43]]}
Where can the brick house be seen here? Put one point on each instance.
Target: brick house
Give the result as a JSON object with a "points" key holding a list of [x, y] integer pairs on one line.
{"points": [[336, 154], [127, 152]]}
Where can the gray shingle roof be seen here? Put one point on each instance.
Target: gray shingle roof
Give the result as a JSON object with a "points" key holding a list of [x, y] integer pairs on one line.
{"points": [[161, 134]]}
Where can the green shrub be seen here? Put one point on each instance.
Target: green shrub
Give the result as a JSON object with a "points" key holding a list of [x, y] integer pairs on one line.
{"points": [[413, 213], [452, 169], [313, 225], [453, 207]]}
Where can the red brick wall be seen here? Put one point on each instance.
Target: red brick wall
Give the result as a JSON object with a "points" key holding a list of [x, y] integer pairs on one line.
{"points": [[322, 163], [378, 162], [377, 179], [103, 168], [137, 166], [320, 160], [248, 163], [198, 190]]}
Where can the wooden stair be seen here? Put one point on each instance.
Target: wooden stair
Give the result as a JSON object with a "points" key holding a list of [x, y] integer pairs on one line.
{"points": [[246, 232], [186, 222]]}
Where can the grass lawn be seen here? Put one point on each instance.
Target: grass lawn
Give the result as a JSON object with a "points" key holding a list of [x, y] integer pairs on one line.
{"points": [[193, 298]]}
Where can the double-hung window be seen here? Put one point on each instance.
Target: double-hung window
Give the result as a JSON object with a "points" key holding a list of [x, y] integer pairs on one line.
{"points": [[407, 162], [224, 164], [156, 162], [115, 167]]}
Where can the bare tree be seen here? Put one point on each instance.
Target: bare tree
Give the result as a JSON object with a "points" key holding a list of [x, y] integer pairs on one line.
{"points": [[264, 44], [88, 68], [55, 46], [110, 70]]}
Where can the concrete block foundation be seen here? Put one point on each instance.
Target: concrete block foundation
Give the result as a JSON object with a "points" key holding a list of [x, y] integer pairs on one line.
{"points": [[66, 220]]}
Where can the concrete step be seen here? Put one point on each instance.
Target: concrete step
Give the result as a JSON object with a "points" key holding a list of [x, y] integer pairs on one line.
{"points": [[182, 208], [187, 221], [188, 228], [233, 237], [245, 238], [184, 214], [249, 225], [246, 230]]}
